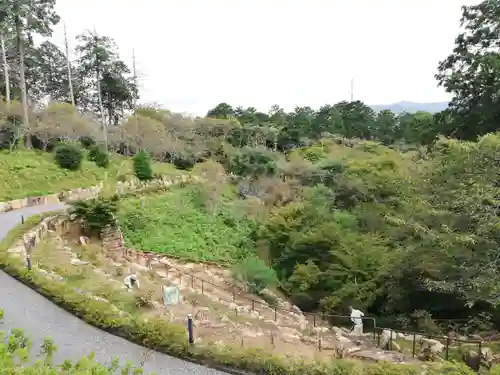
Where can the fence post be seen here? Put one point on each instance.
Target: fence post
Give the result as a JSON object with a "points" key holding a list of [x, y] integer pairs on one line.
{"points": [[28, 262], [479, 353], [190, 329], [253, 305], [448, 347], [390, 341], [414, 345], [202, 286], [22, 219]]}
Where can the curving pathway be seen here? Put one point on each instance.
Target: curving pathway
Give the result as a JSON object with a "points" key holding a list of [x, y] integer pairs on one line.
{"points": [[40, 318]]}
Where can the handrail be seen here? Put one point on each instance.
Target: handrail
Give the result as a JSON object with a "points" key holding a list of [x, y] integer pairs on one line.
{"points": [[322, 316]]}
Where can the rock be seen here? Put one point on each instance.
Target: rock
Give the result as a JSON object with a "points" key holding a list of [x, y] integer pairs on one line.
{"points": [[430, 349], [78, 262], [320, 329], [250, 333], [269, 321], [309, 340]]}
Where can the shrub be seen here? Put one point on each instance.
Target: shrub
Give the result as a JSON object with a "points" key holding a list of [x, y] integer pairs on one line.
{"points": [[13, 353], [253, 162], [95, 214], [158, 334], [99, 156], [142, 166], [255, 274], [87, 142], [69, 157]]}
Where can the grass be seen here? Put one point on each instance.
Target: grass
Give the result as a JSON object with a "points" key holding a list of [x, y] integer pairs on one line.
{"points": [[171, 338], [174, 224], [26, 173]]}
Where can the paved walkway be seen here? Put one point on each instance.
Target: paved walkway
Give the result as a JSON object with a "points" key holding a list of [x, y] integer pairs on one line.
{"points": [[74, 338]]}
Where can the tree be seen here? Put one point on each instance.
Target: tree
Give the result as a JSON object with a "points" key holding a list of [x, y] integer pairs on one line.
{"points": [[385, 127], [213, 185], [221, 110], [472, 72], [51, 65], [28, 18]]}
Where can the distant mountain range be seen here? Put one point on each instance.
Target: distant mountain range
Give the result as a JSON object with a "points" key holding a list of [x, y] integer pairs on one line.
{"points": [[412, 107]]}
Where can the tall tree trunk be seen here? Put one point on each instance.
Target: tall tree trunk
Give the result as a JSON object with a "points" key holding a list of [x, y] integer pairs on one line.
{"points": [[20, 51], [101, 108], [70, 80], [5, 69]]}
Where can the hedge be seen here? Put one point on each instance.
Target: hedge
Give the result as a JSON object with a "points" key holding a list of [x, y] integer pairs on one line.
{"points": [[171, 339]]}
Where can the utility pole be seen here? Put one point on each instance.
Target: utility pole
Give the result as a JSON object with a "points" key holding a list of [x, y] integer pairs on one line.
{"points": [[68, 66], [134, 72], [352, 90]]}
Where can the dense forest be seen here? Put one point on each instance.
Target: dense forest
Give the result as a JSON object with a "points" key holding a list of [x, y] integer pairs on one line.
{"points": [[397, 214]]}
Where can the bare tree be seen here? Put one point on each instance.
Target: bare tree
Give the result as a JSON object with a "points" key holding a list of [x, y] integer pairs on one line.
{"points": [[142, 132], [213, 184], [61, 121]]}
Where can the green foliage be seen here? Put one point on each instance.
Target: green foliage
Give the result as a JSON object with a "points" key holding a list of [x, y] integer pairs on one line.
{"points": [[15, 359], [173, 223], [95, 214], [142, 166], [253, 162], [168, 338], [69, 157], [99, 156], [26, 173], [87, 142], [255, 274]]}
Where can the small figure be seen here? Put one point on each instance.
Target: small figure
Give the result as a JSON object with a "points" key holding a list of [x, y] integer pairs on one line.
{"points": [[131, 281], [357, 320]]}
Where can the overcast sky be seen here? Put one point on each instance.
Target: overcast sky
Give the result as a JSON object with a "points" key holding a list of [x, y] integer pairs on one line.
{"points": [[193, 54]]}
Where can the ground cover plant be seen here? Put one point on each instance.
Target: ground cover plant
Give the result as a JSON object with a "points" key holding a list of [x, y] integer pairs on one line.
{"points": [[170, 338], [33, 173], [173, 223]]}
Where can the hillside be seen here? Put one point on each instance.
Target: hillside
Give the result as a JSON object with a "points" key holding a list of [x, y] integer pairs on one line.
{"points": [[411, 107], [33, 173], [175, 224]]}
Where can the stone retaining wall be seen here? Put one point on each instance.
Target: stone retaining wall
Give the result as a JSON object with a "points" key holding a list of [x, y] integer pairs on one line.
{"points": [[92, 192]]}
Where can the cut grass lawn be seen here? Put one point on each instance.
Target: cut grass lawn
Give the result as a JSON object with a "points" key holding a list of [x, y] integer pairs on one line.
{"points": [[33, 173], [174, 224]]}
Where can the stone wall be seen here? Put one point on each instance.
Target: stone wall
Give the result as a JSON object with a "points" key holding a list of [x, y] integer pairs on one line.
{"points": [[92, 192]]}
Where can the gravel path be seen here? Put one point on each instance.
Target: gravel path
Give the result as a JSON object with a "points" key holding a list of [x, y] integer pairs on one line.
{"points": [[74, 338]]}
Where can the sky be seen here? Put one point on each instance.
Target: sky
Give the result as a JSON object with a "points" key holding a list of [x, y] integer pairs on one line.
{"points": [[194, 54]]}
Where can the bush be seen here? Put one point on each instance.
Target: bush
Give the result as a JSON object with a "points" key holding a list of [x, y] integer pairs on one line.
{"points": [[14, 351], [168, 338], [69, 157], [142, 166], [99, 156], [255, 274], [95, 214], [87, 142]]}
